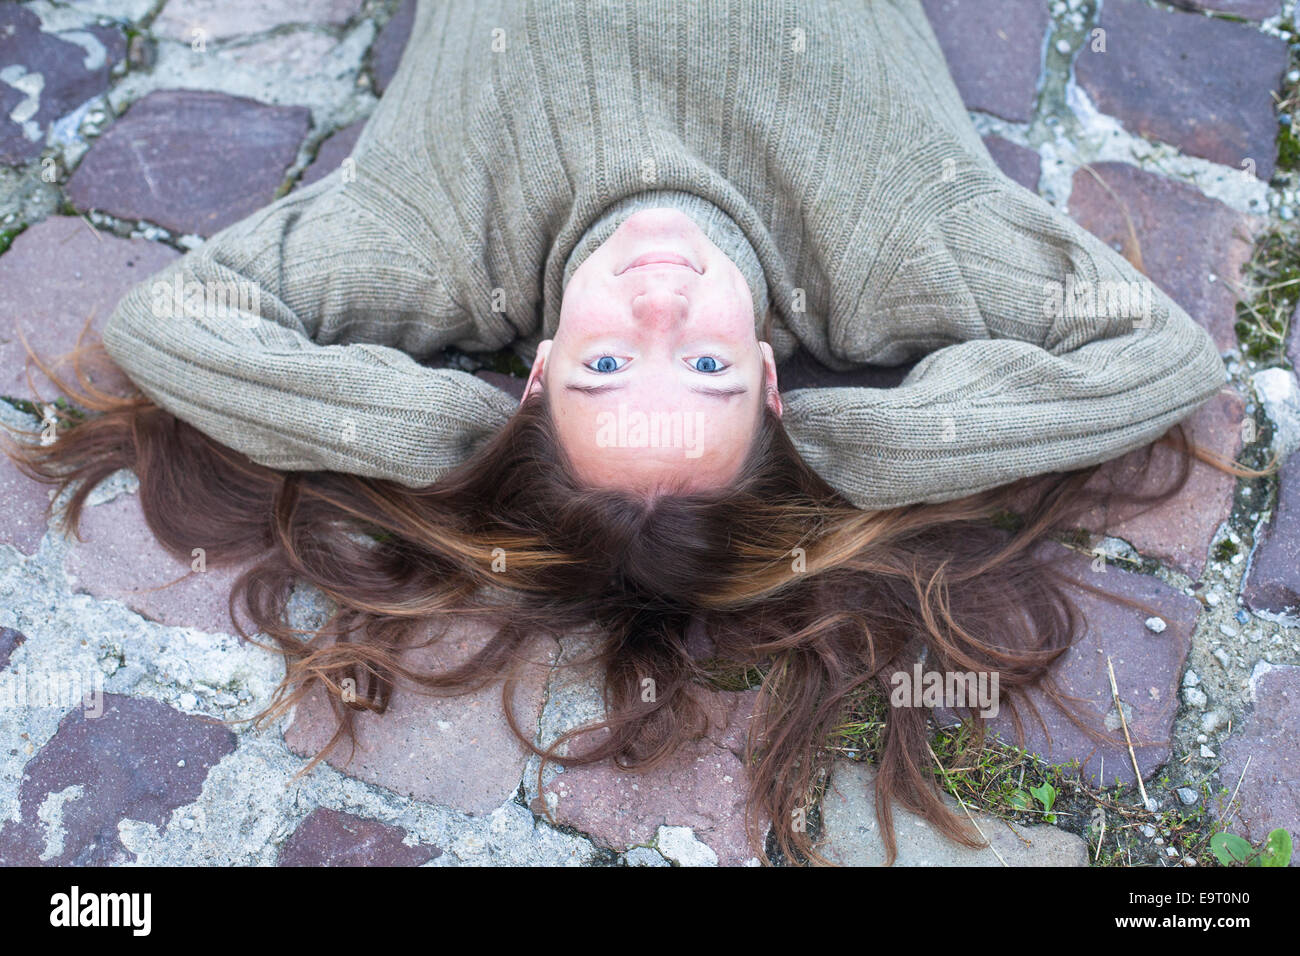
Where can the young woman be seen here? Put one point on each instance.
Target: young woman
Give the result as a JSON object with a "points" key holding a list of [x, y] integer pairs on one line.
{"points": [[654, 204]]}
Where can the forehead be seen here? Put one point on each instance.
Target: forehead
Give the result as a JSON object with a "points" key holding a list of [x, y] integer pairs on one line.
{"points": [[640, 442]]}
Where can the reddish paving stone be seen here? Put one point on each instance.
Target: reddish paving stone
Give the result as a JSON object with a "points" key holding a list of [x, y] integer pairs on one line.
{"points": [[702, 786], [452, 751], [1155, 77], [1270, 790], [1178, 532], [9, 642], [1249, 9], [304, 53], [331, 838], [120, 559], [56, 275], [332, 152], [994, 51], [61, 74], [1021, 164], [138, 760], [23, 521], [190, 161], [1273, 577], [507, 383], [386, 54], [1183, 238], [220, 19], [1148, 668]]}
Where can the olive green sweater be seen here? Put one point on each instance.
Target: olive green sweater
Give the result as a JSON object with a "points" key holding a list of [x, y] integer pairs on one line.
{"points": [[822, 145]]}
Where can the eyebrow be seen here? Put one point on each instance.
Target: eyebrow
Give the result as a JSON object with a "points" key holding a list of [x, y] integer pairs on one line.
{"points": [[716, 391]]}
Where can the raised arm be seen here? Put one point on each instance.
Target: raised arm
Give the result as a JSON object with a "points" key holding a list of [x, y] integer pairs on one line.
{"points": [[1084, 360], [292, 336]]}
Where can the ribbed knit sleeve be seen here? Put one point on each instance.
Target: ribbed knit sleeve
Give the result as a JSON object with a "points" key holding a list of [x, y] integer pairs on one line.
{"points": [[293, 337], [1060, 355]]}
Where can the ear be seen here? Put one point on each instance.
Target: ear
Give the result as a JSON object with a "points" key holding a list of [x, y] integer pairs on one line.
{"points": [[769, 379], [535, 383]]}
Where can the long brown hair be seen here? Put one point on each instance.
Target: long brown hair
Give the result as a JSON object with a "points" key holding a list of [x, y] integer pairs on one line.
{"points": [[778, 573]]}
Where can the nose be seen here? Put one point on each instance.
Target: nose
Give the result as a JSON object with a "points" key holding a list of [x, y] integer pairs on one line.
{"points": [[661, 303]]}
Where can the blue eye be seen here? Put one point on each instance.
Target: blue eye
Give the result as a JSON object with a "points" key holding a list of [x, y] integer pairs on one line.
{"points": [[706, 363], [606, 363]]}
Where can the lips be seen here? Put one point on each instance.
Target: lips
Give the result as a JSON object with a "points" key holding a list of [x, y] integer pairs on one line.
{"points": [[659, 259]]}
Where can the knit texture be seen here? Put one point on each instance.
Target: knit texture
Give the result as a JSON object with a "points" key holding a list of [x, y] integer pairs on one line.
{"points": [[822, 145]]}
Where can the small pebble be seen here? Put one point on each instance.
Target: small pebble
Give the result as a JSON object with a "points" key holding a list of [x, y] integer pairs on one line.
{"points": [[1206, 752], [1062, 46], [1212, 598], [1195, 697], [1187, 796], [1155, 624], [1148, 830], [1227, 630], [1243, 617], [1221, 656], [1191, 678]]}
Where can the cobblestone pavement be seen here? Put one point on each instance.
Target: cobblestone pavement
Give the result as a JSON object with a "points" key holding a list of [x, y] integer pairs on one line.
{"points": [[132, 129]]}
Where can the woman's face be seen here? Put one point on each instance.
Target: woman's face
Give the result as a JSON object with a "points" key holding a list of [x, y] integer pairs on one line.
{"points": [[655, 378]]}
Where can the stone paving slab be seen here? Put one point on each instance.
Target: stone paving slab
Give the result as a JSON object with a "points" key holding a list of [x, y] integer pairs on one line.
{"points": [[507, 383], [1273, 576], [702, 787], [994, 50], [119, 559], [853, 838], [1270, 785], [1191, 246], [332, 838], [386, 55], [58, 274], [1154, 77], [46, 76], [222, 19], [125, 758], [331, 154], [1178, 532], [1021, 164], [25, 502], [457, 752], [304, 53], [1148, 667], [190, 161]]}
